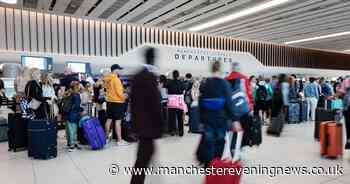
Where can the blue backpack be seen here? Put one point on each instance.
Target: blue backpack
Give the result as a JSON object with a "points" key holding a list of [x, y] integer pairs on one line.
{"points": [[239, 98]]}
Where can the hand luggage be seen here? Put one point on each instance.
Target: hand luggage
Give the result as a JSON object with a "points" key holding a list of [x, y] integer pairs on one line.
{"points": [[3, 129], [225, 163], [294, 113], [331, 139], [276, 125], [94, 134], [303, 111], [42, 139], [335, 104], [322, 115], [194, 120], [17, 132]]}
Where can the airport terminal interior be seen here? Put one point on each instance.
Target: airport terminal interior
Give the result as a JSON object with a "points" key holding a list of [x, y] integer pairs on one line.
{"points": [[174, 91]]}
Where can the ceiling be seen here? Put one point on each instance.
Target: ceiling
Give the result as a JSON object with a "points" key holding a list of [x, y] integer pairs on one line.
{"points": [[294, 20]]}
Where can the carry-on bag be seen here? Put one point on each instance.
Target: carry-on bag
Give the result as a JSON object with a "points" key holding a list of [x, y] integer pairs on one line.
{"points": [[42, 139], [17, 132], [294, 113], [303, 110], [94, 134], [331, 139], [3, 129], [322, 115], [276, 126], [225, 163], [336, 104]]}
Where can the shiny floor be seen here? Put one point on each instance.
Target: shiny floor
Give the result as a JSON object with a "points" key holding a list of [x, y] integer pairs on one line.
{"points": [[295, 147]]}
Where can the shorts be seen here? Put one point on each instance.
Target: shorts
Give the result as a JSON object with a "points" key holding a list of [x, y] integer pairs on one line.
{"points": [[115, 111]]}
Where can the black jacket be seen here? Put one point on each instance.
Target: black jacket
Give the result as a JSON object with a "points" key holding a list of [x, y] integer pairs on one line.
{"points": [[34, 90], [175, 87], [146, 105]]}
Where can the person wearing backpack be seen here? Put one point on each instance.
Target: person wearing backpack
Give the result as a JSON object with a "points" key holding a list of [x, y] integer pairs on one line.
{"points": [[261, 98]]}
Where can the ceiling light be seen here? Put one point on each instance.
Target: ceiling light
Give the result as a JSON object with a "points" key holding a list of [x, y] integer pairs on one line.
{"points": [[239, 14], [9, 1], [346, 50], [319, 37]]}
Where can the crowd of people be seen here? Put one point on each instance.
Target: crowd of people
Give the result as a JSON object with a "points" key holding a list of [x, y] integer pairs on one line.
{"points": [[156, 104]]}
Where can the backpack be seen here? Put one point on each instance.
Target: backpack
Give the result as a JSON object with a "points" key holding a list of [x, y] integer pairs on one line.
{"points": [[239, 98], [67, 104], [188, 93], [261, 93]]}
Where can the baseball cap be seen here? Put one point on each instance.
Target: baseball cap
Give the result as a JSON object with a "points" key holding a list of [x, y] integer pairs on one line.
{"points": [[116, 67]]}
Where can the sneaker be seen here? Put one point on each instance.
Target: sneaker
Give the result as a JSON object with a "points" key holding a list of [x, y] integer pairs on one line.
{"points": [[71, 149], [77, 147], [123, 143], [347, 146], [109, 137]]}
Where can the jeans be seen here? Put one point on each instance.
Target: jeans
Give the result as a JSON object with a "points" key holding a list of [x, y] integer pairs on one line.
{"points": [[71, 133], [215, 142], [311, 108], [176, 115]]}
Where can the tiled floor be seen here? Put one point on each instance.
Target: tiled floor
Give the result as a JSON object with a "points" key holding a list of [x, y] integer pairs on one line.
{"points": [[296, 147]]}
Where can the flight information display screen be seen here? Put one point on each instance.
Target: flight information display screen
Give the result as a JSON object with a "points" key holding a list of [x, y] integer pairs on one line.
{"points": [[79, 67], [42, 63]]}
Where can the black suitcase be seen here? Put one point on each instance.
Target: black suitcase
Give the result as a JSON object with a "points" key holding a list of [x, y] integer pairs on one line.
{"points": [[276, 126], [17, 132], [3, 130], [323, 115], [303, 110], [42, 139]]}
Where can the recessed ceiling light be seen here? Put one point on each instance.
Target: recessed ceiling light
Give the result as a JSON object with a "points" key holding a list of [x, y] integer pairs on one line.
{"points": [[319, 37], [346, 50], [9, 1], [239, 14]]}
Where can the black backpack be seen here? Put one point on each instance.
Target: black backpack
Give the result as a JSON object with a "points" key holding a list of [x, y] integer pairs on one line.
{"points": [[261, 93], [67, 104]]}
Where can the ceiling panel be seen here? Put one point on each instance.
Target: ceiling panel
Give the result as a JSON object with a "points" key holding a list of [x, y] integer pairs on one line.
{"points": [[296, 19]]}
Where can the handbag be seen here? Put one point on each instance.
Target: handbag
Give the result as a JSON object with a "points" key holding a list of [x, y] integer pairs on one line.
{"points": [[34, 103], [176, 102]]}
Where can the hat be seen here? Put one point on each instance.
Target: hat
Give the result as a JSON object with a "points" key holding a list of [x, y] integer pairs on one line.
{"points": [[116, 67]]}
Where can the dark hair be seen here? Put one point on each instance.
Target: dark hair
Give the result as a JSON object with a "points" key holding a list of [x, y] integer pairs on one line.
{"points": [[312, 79], [150, 55], [188, 76], [162, 79], [176, 74], [282, 78], [251, 78], [294, 76], [216, 67]]}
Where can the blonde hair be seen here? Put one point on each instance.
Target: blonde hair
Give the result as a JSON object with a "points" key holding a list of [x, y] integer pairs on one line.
{"points": [[34, 72], [46, 79], [75, 87]]}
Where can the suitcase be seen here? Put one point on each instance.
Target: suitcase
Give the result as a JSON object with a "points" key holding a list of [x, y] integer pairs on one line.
{"points": [[194, 120], [303, 111], [81, 137], [17, 132], [94, 134], [42, 139], [276, 126], [226, 178], [294, 113], [3, 130], [331, 139], [322, 115]]}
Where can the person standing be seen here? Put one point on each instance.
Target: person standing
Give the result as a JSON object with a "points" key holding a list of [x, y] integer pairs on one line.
{"points": [[146, 113], [176, 91], [115, 104], [34, 94], [311, 92], [344, 91]]}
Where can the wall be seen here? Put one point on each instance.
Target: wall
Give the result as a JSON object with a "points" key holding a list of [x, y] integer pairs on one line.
{"points": [[32, 32]]}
